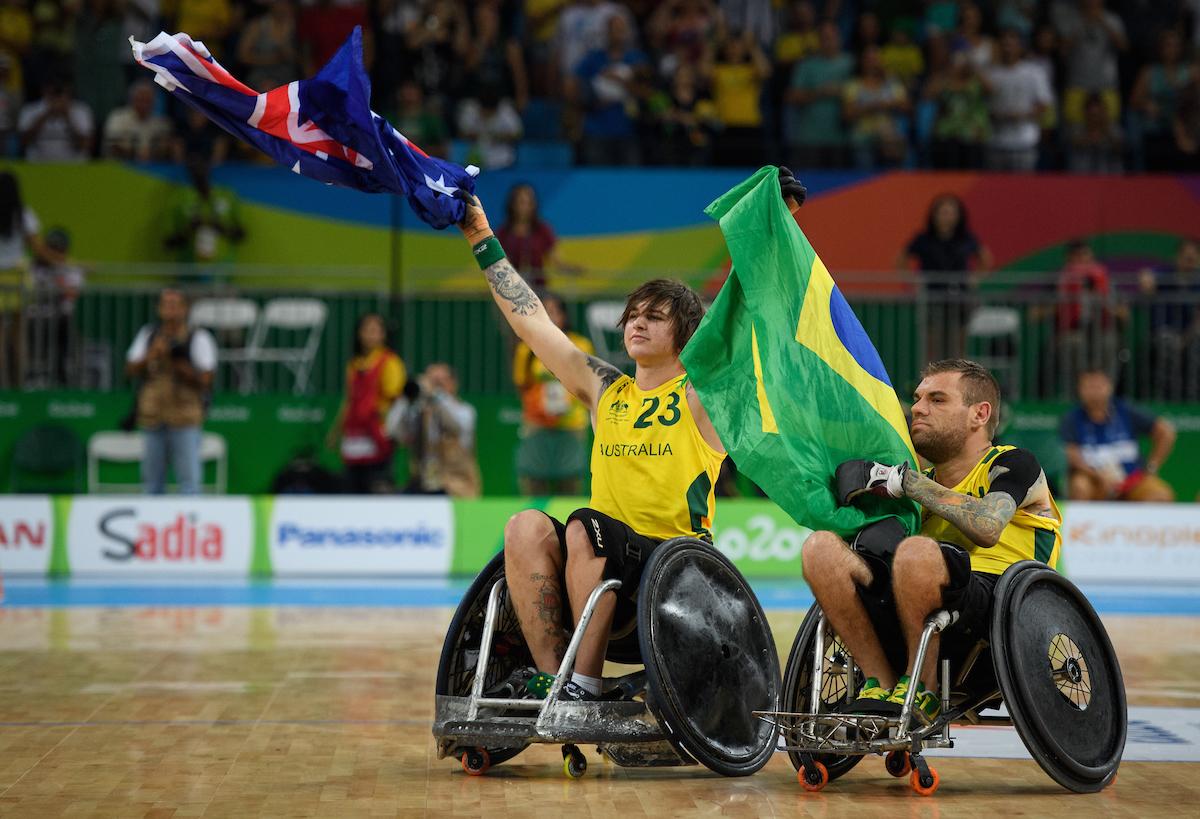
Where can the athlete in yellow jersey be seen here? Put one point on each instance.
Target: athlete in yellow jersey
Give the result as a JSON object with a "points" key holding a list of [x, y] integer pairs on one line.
{"points": [[985, 507], [655, 458]]}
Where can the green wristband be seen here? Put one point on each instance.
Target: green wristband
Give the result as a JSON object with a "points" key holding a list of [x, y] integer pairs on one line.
{"points": [[488, 252]]}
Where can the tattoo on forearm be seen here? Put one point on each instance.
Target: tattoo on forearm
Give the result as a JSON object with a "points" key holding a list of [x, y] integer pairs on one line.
{"points": [[508, 285], [606, 372], [549, 611], [980, 519]]}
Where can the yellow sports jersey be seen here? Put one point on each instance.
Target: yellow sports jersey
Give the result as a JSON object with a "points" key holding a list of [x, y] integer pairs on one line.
{"points": [[651, 468], [1026, 537]]}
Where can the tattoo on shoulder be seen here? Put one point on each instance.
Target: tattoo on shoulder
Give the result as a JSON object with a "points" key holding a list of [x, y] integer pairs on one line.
{"points": [[606, 372], [509, 285]]}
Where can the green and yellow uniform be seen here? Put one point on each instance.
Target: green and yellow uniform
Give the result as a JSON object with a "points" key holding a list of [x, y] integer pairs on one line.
{"points": [[1026, 537], [651, 467]]}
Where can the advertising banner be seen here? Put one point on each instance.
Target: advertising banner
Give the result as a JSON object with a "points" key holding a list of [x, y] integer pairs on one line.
{"points": [[760, 538], [163, 535], [756, 535], [1132, 542], [360, 536], [26, 534]]}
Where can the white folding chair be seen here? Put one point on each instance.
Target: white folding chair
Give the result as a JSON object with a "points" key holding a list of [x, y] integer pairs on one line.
{"points": [[114, 447], [602, 318], [214, 448], [294, 315], [226, 317], [130, 448]]}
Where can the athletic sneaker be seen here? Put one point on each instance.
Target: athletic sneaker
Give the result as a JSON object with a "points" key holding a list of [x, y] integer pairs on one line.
{"points": [[925, 703], [539, 686], [872, 699], [514, 687]]}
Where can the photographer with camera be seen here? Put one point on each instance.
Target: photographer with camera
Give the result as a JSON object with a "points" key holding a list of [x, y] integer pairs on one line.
{"points": [[438, 428], [176, 364]]}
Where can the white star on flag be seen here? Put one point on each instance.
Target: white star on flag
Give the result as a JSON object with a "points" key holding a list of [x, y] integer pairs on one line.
{"points": [[440, 185]]}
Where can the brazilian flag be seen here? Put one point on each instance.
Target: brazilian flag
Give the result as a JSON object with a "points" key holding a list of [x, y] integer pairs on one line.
{"points": [[786, 372]]}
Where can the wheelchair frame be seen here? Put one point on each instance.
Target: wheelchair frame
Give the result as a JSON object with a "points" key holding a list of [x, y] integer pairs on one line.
{"points": [[813, 732], [734, 674], [625, 731], [1047, 649]]}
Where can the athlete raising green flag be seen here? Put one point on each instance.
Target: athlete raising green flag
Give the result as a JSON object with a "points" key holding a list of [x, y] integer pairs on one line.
{"points": [[789, 377]]}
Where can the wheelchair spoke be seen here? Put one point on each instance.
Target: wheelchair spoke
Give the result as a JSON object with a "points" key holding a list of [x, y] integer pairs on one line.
{"points": [[1069, 671]]}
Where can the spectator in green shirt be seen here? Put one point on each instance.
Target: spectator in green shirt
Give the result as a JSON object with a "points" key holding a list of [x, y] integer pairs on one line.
{"points": [[813, 115], [963, 124], [205, 221]]}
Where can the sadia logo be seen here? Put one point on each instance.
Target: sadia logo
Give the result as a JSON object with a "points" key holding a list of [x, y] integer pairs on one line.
{"points": [[183, 539]]}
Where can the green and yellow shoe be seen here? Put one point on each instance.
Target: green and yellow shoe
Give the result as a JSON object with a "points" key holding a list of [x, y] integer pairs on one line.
{"points": [[925, 703], [872, 699]]}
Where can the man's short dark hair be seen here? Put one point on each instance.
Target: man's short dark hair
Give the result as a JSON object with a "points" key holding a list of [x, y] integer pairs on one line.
{"points": [[676, 299], [977, 382]]}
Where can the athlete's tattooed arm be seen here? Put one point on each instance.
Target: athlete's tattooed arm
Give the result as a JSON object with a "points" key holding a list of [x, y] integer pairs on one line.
{"points": [[508, 286], [606, 372], [980, 519], [523, 311]]}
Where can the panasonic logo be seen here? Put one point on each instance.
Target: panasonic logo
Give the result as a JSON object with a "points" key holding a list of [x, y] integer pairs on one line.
{"points": [[292, 534]]}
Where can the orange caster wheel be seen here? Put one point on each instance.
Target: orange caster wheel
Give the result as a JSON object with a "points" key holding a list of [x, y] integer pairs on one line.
{"points": [[897, 763], [925, 784], [813, 778], [475, 761]]}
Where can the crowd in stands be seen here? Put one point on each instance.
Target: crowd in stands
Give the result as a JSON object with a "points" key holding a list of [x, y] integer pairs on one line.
{"points": [[1082, 85]]}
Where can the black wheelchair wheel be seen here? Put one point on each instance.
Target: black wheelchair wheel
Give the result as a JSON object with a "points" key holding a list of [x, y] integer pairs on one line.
{"points": [[460, 651], [1059, 677], [710, 658], [840, 678]]}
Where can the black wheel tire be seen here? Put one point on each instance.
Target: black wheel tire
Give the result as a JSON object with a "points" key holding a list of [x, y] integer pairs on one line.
{"points": [[796, 690], [710, 658], [456, 668], [1074, 726]]}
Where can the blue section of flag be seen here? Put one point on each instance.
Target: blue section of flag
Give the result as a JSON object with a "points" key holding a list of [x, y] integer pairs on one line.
{"points": [[854, 338], [322, 127]]}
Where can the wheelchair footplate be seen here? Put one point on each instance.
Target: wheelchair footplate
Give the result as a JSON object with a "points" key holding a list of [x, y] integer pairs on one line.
{"points": [[850, 734]]}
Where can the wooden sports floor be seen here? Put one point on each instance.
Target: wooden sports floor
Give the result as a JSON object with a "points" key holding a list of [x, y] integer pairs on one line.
{"points": [[325, 711]]}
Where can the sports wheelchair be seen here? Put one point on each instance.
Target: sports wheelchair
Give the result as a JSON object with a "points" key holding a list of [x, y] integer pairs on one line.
{"points": [[709, 663], [1047, 659]]}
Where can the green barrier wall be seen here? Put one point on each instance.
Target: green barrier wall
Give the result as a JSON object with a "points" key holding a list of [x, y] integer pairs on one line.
{"points": [[264, 432]]}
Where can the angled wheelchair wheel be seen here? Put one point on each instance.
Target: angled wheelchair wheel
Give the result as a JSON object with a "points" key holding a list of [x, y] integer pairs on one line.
{"points": [[460, 651], [710, 658], [1059, 676], [840, 679]]}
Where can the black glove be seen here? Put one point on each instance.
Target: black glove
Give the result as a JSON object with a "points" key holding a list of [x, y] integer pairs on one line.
{"points": [[857, 477], [790, 186]]}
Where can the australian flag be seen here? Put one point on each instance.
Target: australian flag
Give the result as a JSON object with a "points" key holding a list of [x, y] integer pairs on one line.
{"points": [[322, 127]]}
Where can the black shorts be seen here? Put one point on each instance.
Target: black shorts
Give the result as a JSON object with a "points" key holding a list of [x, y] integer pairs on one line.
{"points": [[969, 593], [624, 550]]}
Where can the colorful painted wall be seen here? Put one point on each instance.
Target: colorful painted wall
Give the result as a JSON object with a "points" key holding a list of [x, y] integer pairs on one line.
{"points": [[619, 224]]}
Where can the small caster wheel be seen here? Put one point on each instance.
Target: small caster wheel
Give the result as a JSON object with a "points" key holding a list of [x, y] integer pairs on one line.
{"points": [[475, 761], [925, 782], [813, 778], [897, 763], [574, 762]]}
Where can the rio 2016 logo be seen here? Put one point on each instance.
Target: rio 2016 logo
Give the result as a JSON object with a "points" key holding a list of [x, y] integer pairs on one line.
{"points": [[761, 539]]}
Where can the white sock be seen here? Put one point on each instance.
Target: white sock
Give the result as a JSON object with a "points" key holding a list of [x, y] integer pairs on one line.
{"points": [[593, 685]]}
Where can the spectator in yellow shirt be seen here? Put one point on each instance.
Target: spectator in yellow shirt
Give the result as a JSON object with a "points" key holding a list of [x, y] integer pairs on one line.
{"points": [[551, 455], [738, 76]]}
